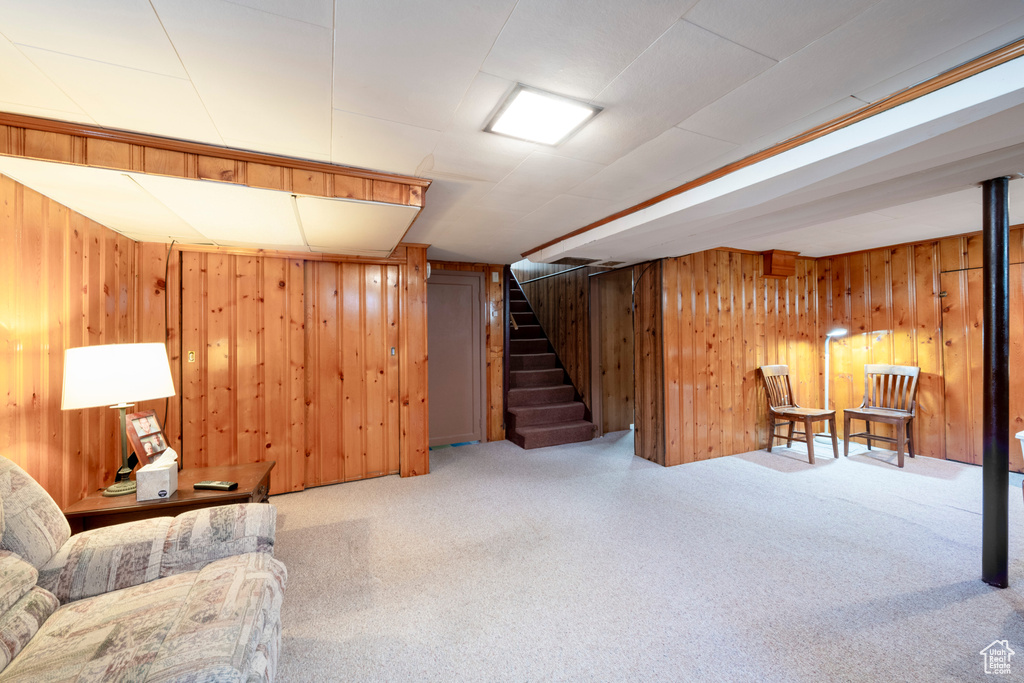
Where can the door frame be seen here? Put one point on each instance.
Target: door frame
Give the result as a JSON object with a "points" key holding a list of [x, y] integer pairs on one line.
{"points": [[481, 310]]}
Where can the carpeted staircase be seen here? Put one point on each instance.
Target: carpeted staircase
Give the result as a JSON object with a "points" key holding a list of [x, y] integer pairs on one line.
{"points": [[543, 407]]}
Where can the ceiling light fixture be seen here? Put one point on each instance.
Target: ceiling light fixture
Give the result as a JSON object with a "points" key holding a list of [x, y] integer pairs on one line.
{"points": [[537, 116]]}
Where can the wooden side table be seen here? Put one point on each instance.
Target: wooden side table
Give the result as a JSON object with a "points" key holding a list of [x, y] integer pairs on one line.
{"points": [[96, 510]]}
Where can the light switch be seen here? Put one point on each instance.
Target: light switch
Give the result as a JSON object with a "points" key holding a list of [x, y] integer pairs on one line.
{"points": [[191, 356], [494, 277]]}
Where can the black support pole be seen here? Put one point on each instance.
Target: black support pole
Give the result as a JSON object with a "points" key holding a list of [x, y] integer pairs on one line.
{"points": [[996, 346]]}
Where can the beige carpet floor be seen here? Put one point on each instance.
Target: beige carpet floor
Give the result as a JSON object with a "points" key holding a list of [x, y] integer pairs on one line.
{"points": [[585, 563]]}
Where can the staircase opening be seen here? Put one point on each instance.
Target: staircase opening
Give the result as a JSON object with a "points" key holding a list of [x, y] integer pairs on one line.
{"points": [[543, 407]]}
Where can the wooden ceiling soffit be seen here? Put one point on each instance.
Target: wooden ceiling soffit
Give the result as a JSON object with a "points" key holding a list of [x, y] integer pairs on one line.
{"points": [[73, 143], [954, 75]]}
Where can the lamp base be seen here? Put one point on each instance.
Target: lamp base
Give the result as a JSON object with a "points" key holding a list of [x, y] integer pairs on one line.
{"points": [[122, 485]]}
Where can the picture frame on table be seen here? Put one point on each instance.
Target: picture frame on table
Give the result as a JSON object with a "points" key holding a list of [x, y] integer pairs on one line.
{"points": [[145, 435]]}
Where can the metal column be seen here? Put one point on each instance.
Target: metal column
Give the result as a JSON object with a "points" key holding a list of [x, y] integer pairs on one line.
{"points": [[996, 421]]}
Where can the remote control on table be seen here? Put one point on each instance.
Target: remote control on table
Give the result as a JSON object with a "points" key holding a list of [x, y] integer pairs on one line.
{"points": [[215, 485]]}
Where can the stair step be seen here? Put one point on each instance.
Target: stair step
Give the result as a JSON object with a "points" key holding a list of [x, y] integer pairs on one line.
{"points": [[529, 416], [525, 318], [536, 378], [526, 332], [516, 295], [532, 361], [528, 346], [540, 436], [519, 306], [535, 396]]}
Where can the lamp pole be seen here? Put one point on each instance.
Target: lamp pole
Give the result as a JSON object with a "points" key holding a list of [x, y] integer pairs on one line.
{"points": [[837, 332]]}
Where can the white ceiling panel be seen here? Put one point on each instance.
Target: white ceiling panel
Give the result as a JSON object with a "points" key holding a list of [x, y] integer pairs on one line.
{"points": [[562, 214], [121, 97], [564, 47], [883, 41], [545, 175], [229, 214], [125, 32], [445, 199], [23, 86], [411, 62], [351, 227], [671, 154], [382, 145], [111, 198], [776, 28], [318, 12], [654, 93], [265, 79]]}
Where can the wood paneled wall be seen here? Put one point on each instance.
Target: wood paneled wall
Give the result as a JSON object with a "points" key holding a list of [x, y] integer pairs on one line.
{"points": [[65, 281], [562, 306], [614, 301], [722, 321], [649, 353], [495, 342], [242, 395], [889, 301]]}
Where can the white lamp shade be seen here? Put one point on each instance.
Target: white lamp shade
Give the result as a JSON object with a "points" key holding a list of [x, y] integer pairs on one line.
{"points": [[110, 374]]}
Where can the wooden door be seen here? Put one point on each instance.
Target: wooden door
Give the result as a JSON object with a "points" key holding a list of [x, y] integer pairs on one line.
{"points": [[455, 347], [612, 302], [963, 363]]}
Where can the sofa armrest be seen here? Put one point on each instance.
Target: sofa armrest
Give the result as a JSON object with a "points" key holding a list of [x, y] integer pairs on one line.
{"points": [[106, 559], [199, 537]]}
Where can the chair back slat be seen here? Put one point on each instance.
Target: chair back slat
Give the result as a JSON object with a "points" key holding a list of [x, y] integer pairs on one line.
{"points": [[776, 385], [893, 387]]}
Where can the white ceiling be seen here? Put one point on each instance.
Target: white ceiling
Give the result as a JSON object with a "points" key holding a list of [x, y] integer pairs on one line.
{"points": [[406, 87]]}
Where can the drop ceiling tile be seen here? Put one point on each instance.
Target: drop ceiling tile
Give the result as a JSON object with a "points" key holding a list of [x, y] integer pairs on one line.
{"points": [[648, 167], [411, 62], [445, 199], [381, 145], [562, 214], [1005, 31], [350, 227], [684, 70], [887, 39], [26, 89], [229, 214], [120, 97], [776, 28], [125, 32], [275, 99], [319, 12], [111, 198], [567, 47]]}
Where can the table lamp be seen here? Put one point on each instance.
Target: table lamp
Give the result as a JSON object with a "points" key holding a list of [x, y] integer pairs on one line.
{"points": [[112, 375]]}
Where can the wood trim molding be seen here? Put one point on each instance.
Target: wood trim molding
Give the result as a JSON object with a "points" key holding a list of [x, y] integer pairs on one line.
{"points": [[78, 130], [398, 256], [954, 75]]}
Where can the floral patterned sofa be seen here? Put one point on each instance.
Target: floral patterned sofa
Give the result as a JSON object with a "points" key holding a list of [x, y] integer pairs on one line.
{"points": [[196, 597]]}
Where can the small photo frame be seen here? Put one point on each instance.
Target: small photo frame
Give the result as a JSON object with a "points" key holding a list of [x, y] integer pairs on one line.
{"points": [[146, 435]]}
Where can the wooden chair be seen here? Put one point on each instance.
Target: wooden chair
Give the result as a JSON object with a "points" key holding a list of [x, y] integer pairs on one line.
{"points": [[782, 409], [889, 393]]}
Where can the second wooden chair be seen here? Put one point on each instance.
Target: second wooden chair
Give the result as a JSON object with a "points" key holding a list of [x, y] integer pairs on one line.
{"points": [[782, 409], [889, 398]]}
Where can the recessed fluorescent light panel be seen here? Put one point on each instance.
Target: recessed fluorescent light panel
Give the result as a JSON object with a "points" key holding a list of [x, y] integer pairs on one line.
{"points": [[538, 116]]}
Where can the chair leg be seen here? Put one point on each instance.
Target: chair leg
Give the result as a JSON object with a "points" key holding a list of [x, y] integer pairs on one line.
{"points": [[867, 428], [910, 437], [846, 435], [832, 430], [901, 437], [789, 438], [772, 426], [809, 435]]}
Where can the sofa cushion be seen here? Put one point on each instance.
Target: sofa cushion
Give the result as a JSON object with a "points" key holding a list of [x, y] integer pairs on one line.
{"points": [[101, 560], [201, 536], [220, 623], [16, 578], [22, 621], [34, 526]]}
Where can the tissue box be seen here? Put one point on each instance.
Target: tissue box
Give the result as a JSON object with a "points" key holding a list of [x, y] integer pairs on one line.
{"points": [[154, 482]]}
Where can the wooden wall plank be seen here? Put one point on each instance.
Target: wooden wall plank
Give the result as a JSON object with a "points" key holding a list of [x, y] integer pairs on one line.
{"points": [[648, 316], [415, 453]]}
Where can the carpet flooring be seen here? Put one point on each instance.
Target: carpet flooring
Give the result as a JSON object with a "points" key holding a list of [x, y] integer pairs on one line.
{"points": [[582, 563]]}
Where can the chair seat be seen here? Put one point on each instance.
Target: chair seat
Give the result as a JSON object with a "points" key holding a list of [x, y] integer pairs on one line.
{"points": [[800, 413], [879, 414]]}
